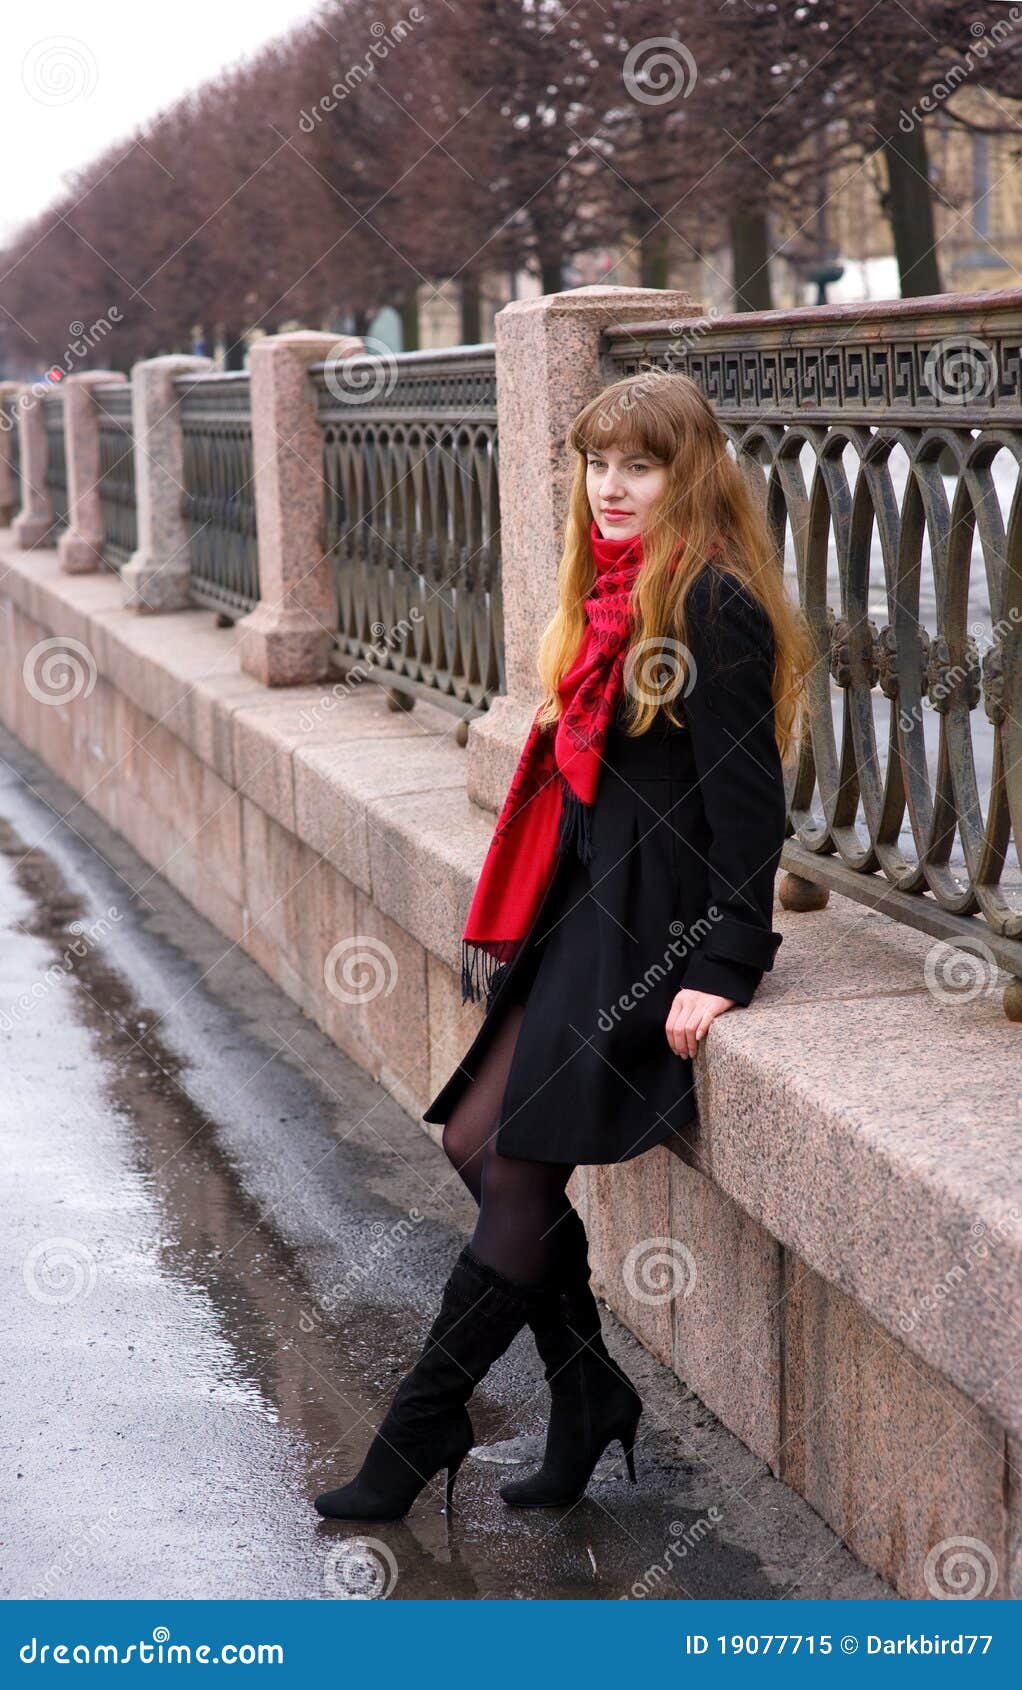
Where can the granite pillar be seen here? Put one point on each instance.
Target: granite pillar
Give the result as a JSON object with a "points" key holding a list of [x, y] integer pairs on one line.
{"points": [[33, 526], [157, 577], [548, 367], [286, 640], [80, 547]]}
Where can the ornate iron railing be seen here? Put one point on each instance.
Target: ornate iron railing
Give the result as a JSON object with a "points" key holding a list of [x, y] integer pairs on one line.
{"points": [[219, 498], [117, 473], [412, 521], [56, 463], [887, 440]]}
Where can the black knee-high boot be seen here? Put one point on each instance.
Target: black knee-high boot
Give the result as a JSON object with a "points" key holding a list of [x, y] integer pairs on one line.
{"points": [[592, 1400], [427, 1426]]}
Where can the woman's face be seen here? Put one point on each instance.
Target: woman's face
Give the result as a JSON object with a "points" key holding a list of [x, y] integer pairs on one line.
{"points": [[623, 489]]}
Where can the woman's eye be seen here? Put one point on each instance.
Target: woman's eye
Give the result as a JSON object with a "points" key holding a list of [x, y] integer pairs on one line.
{"points": [[598, 463]]}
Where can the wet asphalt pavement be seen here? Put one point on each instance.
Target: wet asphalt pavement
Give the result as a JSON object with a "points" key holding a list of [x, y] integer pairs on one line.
{"points": [[223, 1244]]}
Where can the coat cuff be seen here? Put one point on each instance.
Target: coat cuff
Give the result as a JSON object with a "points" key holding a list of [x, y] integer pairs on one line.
{"points": [[732, 959], [734, 980], [740, 941]]}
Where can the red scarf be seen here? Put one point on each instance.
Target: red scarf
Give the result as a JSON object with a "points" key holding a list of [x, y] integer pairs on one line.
{"points": [[549, 801]]}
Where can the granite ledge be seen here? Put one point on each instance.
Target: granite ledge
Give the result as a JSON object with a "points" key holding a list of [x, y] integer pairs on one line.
{"points": [[880, 1145]]}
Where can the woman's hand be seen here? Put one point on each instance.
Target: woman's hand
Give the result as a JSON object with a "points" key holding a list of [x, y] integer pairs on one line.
{"points": [[689, 1018]]}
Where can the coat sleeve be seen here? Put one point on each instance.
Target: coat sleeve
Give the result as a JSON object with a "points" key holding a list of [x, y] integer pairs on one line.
{"points": [[730, 717]]}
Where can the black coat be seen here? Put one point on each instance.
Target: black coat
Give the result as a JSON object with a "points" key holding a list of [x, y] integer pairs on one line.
{"points": [[687, 829]]}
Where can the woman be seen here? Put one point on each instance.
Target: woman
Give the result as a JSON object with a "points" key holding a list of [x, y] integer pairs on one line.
{"points": [[625, 902]]}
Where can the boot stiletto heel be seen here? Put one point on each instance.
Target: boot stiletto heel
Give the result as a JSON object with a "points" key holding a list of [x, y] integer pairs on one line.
{"points": [[427, 1426], [628, 1445], [452, 1474], [593, 1401]]}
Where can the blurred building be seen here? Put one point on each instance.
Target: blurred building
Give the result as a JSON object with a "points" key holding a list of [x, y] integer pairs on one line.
{"points": [[977, 186]]}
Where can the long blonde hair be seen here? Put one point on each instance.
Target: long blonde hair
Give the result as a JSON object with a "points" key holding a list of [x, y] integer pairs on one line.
{"points": [[707, 506]]}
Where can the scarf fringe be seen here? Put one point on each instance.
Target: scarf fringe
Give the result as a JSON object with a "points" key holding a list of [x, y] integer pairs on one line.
{"points": [[575, 832], [479, 968]]}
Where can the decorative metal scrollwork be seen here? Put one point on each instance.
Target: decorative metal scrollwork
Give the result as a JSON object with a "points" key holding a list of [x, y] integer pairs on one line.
{"points": [[218, 502], [875, 432], [116, 473], [412, 519]]}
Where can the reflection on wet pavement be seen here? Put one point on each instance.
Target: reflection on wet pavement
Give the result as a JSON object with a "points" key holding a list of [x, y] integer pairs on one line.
{"points": [[226, 1243]]}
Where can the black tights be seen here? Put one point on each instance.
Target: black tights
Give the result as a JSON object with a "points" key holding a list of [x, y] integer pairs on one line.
{"points": [[520, 1202]]}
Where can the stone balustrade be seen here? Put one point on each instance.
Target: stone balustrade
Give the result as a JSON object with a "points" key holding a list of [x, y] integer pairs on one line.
{"points": [[833, 1266]]}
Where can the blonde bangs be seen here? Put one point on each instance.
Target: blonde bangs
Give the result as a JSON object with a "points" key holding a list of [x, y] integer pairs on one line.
{"points": [[629, 422], [708, 506]]}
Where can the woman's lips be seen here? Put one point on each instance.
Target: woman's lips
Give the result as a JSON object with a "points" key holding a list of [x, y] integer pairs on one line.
{"points": [[617, 516]]}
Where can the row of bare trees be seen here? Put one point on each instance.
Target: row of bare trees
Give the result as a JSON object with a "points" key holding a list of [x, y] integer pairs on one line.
{"points": [[357, 162]]}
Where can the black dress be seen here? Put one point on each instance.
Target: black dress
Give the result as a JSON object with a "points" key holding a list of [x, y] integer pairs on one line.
{"points": [[686, 829]]}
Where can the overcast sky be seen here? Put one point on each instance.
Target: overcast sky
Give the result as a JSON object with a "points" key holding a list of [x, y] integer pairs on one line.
{"points": [[76, 76]]}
